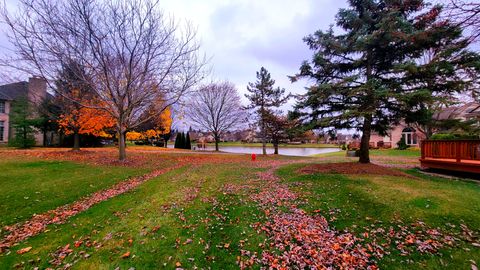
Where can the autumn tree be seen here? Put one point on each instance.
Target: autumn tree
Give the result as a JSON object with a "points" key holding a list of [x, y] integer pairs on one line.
{"points": [[369, 77], [73, 95], [264, 98], [216, 107], [131, 52], [276, 128], [134, 136]]}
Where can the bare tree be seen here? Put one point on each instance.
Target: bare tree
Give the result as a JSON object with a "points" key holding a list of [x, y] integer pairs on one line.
{"points": [[132, 54], [466, 14], [216, 107]]}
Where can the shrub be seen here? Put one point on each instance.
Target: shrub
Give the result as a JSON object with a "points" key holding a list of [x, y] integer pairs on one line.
{"points": [[452, 136], [401, 145], [442, 136], [344, 147]]}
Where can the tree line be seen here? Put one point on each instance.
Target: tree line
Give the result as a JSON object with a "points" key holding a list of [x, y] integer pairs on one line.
{"points": [[125, 63]]}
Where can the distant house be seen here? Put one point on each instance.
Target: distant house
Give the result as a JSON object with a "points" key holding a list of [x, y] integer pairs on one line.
{"points": [[35, 90], [413, 137], [468, 111], [402, 131]]}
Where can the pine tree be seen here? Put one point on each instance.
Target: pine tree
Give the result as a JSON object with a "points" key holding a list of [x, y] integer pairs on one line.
{"points": [[23, 123], [177, 141], [263, 98], [181, 143], [365, 78], [188, 143]]}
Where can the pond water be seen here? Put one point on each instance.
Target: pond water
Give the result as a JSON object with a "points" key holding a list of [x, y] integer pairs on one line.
{"points": [[290, 151]]}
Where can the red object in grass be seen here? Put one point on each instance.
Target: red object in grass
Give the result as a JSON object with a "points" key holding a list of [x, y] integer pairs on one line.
{"points": [[254, 156]]}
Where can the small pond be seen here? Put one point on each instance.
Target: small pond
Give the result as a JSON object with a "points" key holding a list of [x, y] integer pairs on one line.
{"points": [[286, 151]]}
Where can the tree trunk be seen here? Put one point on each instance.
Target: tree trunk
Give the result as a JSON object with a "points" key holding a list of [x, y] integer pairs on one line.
{"points": [[217, 141], [365, 142], [76, 141], [264, 143], [44, 131], [275, 146], [367, 122], [122, 154]]}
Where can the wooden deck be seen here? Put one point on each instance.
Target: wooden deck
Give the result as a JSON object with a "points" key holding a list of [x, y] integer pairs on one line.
{"points": [[454, 155]]}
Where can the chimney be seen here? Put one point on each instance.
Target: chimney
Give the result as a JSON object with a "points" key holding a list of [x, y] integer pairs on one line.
{"points": [[37, 89]]}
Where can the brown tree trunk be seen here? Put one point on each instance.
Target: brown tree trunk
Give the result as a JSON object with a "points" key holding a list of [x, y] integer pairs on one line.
{"points": [[264, 143], [217, 141], [275, 146], [76, 141], [122, 154], [365, 142]]}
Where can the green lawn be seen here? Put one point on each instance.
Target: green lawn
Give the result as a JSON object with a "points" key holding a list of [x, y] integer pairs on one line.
{"points": [[410, 152], [186, 218], [34, 186], [157, 225], [360, 202]]}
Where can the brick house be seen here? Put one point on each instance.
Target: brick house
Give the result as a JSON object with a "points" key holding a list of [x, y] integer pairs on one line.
{"points": [[35, 90], [402, 131], [413, 137]]}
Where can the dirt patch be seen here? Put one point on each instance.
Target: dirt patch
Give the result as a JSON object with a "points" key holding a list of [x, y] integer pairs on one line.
{"points": [[351, 168]]}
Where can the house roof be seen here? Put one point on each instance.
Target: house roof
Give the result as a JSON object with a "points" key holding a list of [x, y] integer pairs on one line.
{"points": [[13, 91], [463, 111]]}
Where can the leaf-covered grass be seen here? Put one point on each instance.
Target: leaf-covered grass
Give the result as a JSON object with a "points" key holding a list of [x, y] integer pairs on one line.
{"points": [[29, 186], [186, 218], [157, 224], [358, 201]]}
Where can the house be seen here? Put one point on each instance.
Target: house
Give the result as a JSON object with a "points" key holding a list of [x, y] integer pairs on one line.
{"points": [[35, 90], [412, 136], [468, 111]]}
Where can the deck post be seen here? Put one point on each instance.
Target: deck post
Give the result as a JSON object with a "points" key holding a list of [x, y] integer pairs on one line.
{"points": [[422, 149], [457, 151]]}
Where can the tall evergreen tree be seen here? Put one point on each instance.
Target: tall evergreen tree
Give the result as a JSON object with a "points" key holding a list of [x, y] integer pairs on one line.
{"points": [[263, 99], [177, 141], [188, 143], [23, 122], [182, 141], [364, 77]]}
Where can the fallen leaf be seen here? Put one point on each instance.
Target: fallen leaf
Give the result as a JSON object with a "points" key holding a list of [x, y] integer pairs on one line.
{"points": [[126, 255], [24, 250]]}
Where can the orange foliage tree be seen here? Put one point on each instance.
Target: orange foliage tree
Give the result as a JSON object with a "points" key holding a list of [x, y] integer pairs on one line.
{"points": [[79, 120], [134, 136], [80, 109], [159, 126]]}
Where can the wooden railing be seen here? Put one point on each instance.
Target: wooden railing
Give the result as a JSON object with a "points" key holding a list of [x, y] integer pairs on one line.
{"points": [[451, 149]]}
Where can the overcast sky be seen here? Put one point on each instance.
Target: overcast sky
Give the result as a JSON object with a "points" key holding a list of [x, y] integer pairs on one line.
{"points": [[240, 36], [243, 35]]}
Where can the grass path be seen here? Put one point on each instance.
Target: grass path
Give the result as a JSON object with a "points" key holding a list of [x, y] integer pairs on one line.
{"points": [[30, 185], [38, 223]]}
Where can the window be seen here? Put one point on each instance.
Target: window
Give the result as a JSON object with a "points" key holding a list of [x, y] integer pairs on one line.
{"points": [[409, 136], [2, 106], [1, 130]]}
